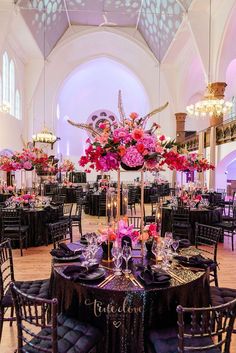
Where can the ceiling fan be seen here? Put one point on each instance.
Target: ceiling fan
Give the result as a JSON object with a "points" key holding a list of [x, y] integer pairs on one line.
{"points": [[107, 23]]}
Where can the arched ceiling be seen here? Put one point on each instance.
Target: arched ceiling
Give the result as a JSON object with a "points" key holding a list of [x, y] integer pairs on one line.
{"points": [[156, 20]]}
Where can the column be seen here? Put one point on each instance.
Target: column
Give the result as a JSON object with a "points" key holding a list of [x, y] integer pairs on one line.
{"points": [[212, 157], [180, 126], [201, 152], [216, 90], [180, 136]]}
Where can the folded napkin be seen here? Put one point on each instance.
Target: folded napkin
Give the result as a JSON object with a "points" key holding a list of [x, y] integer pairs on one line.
{"points": [[152, 277], [196, 261], [64, 251], [77, 272], [184, 243]]}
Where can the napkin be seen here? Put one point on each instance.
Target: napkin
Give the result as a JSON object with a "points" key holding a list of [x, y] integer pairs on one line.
{"points": [[184, 243], [77, 272], [64, 251], [198, 261], [152, 277]]}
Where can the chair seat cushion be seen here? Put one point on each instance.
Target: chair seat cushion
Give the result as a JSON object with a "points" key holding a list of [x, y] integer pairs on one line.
{"points": [[16, 229], [73, 337], [166, 341], [38, 288], [221, 296], [230, 226], [75, 218]]}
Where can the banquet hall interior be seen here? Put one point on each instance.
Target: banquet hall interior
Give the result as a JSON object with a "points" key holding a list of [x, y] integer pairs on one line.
{"points": [[117, 176]]}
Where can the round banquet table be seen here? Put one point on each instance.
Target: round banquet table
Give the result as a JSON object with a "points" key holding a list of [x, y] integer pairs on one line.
{"points": [[123, 311], [4, 197], [37, 219], [203, 216]]}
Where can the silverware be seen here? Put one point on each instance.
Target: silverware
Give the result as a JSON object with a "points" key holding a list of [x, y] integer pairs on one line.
{"points": [[135, 280], [172, 274], [109, 278], [104, 281]]}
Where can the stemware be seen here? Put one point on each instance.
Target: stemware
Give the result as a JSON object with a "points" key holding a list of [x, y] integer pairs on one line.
{"points": [[87, 256], [126, 253], [175, 245], [117, 256], [168, 239], [156, 250]]}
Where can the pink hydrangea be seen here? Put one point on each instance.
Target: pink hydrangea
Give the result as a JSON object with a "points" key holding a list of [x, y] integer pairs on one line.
{"points": [[132, 157], [149, 142]]}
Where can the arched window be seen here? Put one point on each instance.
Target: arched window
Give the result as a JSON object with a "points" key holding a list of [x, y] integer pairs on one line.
{"points": [[5, 78], [17, 105], [12, 88], [0, 92]]}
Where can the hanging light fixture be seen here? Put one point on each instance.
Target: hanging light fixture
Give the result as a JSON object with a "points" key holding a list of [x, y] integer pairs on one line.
{"points": [[45, 136], [212, 104]]}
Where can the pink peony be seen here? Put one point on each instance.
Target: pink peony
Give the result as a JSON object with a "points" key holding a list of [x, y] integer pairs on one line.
{"points": [[122, 134], [109, 162], [132, 157]]}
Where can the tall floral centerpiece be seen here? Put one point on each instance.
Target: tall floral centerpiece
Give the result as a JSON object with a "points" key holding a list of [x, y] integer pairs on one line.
{"points": [[132, 146]]}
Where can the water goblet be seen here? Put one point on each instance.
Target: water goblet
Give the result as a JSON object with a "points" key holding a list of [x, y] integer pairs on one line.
{"points": [[156, 249], [126, 253], [87, 255], [117, 255], [175, 245], [168, 239]]}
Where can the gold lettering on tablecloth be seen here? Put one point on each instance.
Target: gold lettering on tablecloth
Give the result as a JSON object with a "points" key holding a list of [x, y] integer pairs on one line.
{"points": [[100, 308]]}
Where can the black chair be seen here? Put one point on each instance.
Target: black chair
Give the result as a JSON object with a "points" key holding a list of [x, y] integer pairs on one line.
{"points": [[199, 330], [228, 225], [50, 189], [35, 288], [60, 232], [12, 227], [136, 221], [76, 220], [102, 206], [206, 239], [220, 296], [58, 199], [154, 199], [180, 221], [132, 200], [61, 334]]}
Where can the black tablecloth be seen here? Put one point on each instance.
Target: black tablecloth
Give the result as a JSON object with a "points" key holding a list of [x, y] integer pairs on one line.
{"points": [[124, 312], [70, 193], [4, 197], [203, 216], [161, 190], [38, 219]]}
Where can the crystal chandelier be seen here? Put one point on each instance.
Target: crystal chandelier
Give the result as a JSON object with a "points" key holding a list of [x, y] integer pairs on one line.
{"points": [[45, 136], [209, 105], [212, 105]]}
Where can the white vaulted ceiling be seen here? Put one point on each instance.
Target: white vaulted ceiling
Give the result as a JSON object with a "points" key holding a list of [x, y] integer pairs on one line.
{"points": [[156, 20]]}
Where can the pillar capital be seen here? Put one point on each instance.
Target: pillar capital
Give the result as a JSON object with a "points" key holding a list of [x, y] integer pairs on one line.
{"points": [[217, 90], [180, 116]]}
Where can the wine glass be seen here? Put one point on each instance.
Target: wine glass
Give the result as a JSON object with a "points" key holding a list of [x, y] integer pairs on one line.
{"points": [[156, 251], [168, 239], [87, 256], [126, 253], [117, 255], [175, 245]]}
